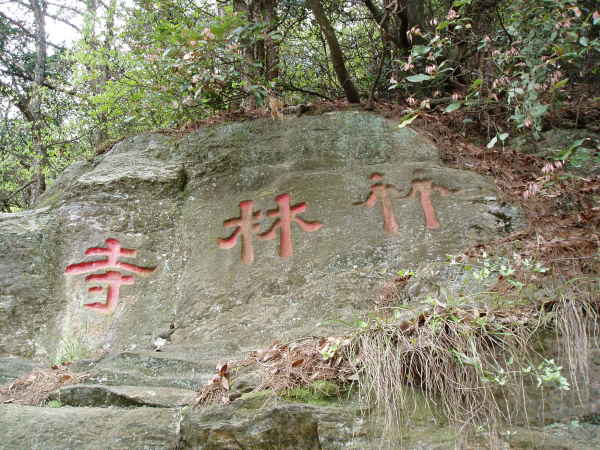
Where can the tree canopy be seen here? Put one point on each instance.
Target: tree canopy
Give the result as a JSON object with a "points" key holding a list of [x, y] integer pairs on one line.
{"points": [[504, 67]]}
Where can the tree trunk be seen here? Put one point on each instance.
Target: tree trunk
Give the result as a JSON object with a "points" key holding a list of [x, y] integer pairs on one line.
{"points": [[34, 104], [263, 52], [483, 15], [247, 73], [268, 15], [90, 37], [337, 57], [395, 19], [415, 13]]}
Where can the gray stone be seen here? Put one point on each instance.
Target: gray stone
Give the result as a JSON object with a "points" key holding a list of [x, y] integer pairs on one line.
{"points": [[12, 368], [151, 369], [29, 259], [122, 396], [167, 198], [29, 427], [258, 421]]}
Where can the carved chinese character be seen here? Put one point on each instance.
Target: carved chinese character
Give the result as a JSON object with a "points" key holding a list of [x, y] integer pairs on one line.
{"points": [[247, 225], [423, 188], [381, 191], [113, 250], [286, 215], [113, 279]]}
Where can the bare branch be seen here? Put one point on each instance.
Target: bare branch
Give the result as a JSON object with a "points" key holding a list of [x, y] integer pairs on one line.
{"points": [[58, 19], [28, 33], [17, 24], [18, 72], [292, 88], [13, 193], [69, 8]]}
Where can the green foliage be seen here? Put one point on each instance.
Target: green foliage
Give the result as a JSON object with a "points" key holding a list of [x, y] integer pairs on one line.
{"points": [[54, 404], [505, 268], [172, 63], [548, 373], [70, 349], [545, 374], [323, 393], [535, 51], [180, 65]]}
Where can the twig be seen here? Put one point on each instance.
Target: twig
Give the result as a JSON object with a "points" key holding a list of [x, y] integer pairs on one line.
{"points": [[13, 193], [377, 78], [510, 41], [290, 87]]}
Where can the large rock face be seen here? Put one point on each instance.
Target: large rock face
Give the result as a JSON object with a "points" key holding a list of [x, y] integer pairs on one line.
{"points": [[237, 234], [280, 274]]}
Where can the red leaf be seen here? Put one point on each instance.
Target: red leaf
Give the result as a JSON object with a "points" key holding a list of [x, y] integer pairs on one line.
{"points": [[225, 383], [222, 369]]}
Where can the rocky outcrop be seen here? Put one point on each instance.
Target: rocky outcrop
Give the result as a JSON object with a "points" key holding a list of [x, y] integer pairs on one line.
{"points": [[88, 428], [369, 199], [208, 246]]}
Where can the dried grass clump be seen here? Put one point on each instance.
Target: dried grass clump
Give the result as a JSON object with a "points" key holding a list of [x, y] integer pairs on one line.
{"points": [[34, 387], [447, 356], [469, 363], [216, 391], [286, 366], [576, 324], [473, 365]]}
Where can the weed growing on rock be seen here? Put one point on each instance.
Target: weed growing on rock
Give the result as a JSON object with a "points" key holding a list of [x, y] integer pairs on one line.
{"points": [[470, 355], [320, 392], [70, 348], [455, 360]]}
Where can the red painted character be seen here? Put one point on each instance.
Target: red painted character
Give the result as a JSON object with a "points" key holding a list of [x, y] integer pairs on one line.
{"points": [[247, 225], [381, 191], [113, 279], [424, 188], [114, 251], [286, 215]]}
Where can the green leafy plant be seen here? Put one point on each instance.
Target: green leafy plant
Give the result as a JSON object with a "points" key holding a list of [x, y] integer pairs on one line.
{"points": [[319, 392], [548, 373], [70, 348]]}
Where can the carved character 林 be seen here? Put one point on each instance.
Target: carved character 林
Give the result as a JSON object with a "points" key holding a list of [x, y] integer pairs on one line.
{"points": [[286, 215], [247, 225]]}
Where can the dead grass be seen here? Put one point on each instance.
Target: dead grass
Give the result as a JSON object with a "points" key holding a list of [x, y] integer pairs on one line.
{"points": [[34, 387], [447, 358], [468, 363], [287, 366], [576, 324]]}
